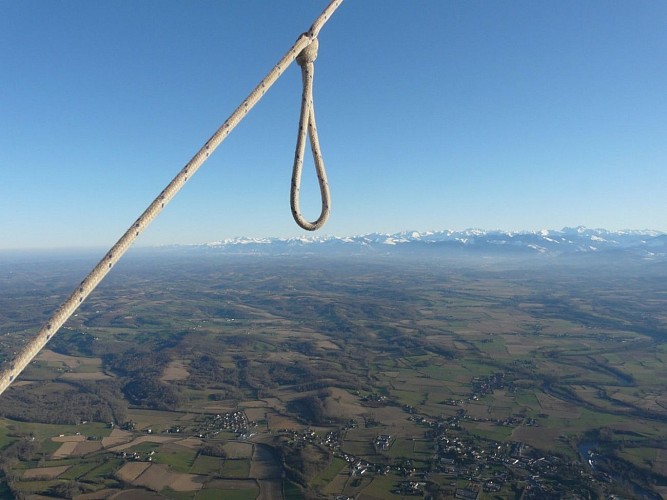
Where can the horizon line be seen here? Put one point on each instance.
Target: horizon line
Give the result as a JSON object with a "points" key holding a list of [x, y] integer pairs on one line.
{"points": [[323, 236]]}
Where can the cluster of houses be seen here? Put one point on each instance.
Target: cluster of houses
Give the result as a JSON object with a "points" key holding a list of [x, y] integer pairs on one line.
{"points": [[382, 442], [490, 465], [361, 467], [410, 488], [487, 465], [138, 456], [374, 398], [481, 386], [236, 422], [332, 440]]}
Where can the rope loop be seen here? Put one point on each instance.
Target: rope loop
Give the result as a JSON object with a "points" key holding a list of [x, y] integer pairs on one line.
{"points": [[305, 59]]}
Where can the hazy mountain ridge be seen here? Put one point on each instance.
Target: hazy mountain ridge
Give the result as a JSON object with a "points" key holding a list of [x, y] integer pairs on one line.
{"points": [[567, 241]]}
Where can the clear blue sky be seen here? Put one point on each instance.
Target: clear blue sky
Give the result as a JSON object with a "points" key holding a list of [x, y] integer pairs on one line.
{"points": [[433, 114]]}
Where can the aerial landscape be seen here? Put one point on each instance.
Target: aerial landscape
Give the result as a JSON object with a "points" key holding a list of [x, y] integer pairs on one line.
{"points": [[222, 352], [382, 367]]}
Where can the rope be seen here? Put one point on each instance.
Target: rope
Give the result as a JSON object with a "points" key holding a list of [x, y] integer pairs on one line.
{"points": [[63, 313], [307, 121]]}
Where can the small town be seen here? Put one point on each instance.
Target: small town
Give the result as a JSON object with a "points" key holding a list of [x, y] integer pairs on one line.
{"points": [[485, 465]]}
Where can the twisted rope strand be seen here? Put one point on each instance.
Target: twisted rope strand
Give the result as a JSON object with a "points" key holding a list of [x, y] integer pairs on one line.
{"points": [[63, 313]]}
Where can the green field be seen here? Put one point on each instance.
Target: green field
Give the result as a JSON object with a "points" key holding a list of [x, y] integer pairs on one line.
{"points": [[327, 475], [237, 468], [247, 494], [179, 460], [207, 465]]}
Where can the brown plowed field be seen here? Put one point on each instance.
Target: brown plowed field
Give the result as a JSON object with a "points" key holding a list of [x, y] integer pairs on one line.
{"points": [[44, 472]]}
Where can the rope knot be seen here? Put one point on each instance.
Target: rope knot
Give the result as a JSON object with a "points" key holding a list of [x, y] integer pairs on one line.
{"points": [[309, 54]]}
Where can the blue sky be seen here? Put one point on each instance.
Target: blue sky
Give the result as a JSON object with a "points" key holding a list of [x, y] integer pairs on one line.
{"points": [[432, 114]]}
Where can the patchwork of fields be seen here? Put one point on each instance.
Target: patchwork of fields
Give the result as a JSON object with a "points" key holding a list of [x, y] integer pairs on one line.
{"points": [[257, 377]]}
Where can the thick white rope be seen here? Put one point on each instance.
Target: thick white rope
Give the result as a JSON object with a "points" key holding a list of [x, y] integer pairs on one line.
{"points": [[63, 313], [307, 121]]}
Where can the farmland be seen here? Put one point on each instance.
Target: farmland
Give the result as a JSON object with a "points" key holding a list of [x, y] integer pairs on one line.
{"points": [[281, 377]]}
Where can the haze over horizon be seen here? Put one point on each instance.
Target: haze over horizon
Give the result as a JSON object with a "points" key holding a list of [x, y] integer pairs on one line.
{"points": [[510, 115], [567, 240]]}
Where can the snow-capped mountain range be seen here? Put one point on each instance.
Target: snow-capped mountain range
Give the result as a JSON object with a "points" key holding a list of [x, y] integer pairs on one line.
{"points": [[578, 240]]}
